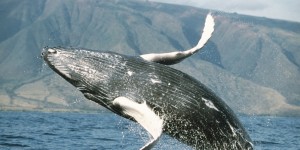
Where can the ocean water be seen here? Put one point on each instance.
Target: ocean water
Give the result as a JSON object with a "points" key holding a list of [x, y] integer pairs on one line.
{"points": [[69, 130]]}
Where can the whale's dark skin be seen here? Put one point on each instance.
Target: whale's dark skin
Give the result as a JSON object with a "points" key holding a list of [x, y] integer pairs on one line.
{"points": [[192, 113]]}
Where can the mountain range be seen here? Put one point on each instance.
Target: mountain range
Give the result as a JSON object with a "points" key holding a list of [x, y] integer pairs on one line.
{"points": [[252, 63]]}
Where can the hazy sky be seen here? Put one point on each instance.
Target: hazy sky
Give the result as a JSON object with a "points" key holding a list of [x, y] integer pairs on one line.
{"points": [[278, 9]]}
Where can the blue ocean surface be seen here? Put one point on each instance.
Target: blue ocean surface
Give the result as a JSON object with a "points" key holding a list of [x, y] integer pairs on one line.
{"points": [[73, 130]]}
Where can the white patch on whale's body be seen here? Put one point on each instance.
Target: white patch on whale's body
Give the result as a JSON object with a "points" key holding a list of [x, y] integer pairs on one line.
{"points": [[209, 104], [155, 81], [233, 130], [144, 115], [130, 73]]}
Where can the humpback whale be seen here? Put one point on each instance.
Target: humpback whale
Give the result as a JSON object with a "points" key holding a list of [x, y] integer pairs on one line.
{"points": [[146, 90]]}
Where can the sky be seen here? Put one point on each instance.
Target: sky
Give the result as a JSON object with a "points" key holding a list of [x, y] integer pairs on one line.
{"points": [[276, 9]]}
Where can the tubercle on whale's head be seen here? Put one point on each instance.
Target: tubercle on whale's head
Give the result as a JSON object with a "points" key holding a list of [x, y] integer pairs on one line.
{"points": [[87, 70], [59, 60]]}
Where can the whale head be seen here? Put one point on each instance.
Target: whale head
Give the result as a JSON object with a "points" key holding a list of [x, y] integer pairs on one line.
{"points": [[89, 71]]}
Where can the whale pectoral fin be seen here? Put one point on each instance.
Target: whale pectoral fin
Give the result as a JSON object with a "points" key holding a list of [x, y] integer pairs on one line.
{"points": [[144, 115], [176, 57]]}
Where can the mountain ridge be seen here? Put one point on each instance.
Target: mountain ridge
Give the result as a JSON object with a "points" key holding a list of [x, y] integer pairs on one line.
{"points": [[253, 61]]}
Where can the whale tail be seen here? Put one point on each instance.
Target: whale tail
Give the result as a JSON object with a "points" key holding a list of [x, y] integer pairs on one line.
{"points": [[176, 57]]}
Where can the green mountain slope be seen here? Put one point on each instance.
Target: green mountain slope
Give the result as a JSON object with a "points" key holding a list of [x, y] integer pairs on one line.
{"points": [[251, 62]]}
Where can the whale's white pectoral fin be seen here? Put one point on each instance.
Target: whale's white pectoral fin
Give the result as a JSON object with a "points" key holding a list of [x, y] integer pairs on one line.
{"points": [[144, 115], [176, 57]]}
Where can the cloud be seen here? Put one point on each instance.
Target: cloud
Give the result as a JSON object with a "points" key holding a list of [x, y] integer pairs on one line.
{"points": [[220, 4], [277, 9], [252, 5]]}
